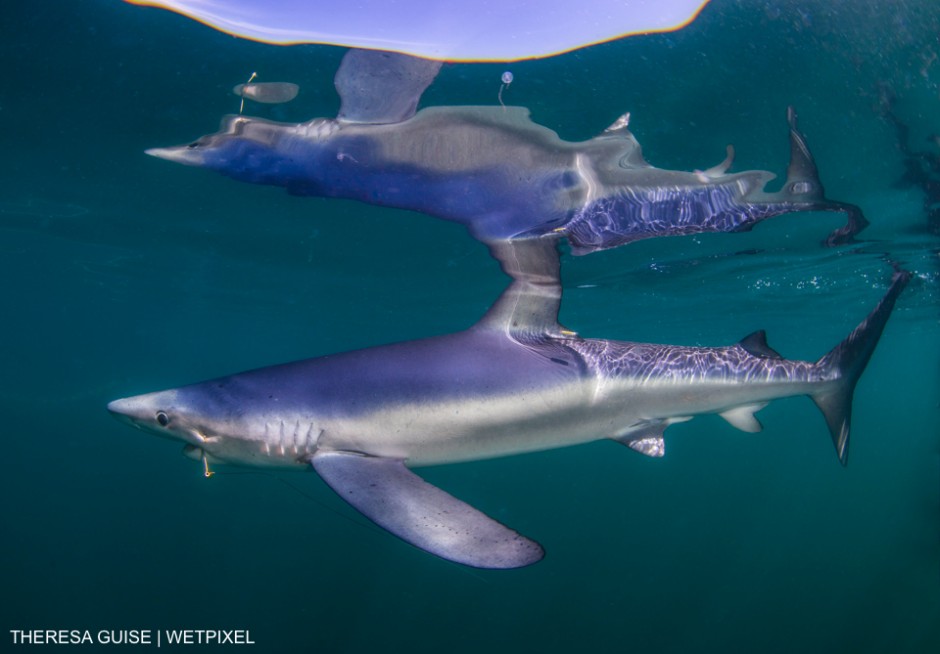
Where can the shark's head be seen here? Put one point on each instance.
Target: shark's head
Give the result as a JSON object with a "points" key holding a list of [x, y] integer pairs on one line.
{"points": [[254, 150], [170, 414], [228, 420]]}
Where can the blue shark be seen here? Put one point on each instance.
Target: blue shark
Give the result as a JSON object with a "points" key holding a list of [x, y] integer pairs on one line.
{"points": [[497, 172], [515, 382]]}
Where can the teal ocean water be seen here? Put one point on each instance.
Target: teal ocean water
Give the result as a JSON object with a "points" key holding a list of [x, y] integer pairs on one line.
{"points": [[124, 274]]}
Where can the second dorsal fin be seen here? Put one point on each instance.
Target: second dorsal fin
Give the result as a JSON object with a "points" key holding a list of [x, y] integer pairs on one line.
{"points": [[722, 168], [756, 344]]}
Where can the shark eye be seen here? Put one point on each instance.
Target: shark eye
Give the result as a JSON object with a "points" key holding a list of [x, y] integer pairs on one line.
{"points": [[163, 418], [193, 145]]}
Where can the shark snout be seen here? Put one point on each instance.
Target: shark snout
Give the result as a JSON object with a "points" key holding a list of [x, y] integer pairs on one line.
{"points": [[190, 156], [151, 410], [118, 406], [157, 413], [130, 410]]}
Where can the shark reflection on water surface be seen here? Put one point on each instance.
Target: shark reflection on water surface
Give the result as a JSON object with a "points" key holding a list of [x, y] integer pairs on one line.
{"points": [[495, 171]]}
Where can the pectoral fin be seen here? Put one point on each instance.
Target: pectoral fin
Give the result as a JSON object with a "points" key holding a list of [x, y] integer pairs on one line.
{"points": [[647, 437], [648, 444], [395, 498]]}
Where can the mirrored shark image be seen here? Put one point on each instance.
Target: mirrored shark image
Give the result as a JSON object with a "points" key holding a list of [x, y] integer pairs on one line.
{"points": [[515, 382], [497, 172]]}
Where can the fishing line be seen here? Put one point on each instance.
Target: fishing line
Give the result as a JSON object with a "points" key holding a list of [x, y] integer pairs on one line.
{"points": [[304, 494]]}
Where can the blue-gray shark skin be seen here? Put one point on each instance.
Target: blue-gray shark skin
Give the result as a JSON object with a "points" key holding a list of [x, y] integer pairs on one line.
{"points": [[505, 177], [515, 382]]}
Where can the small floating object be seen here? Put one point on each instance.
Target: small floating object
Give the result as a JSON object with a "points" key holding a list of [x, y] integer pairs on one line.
{"points": [[506, 81], [265, 92], [268, 92], [471, 30]]}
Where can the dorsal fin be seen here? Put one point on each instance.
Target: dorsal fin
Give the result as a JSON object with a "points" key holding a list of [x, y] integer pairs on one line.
{"points": [[756, 344], [381, 87], [530, 304]]}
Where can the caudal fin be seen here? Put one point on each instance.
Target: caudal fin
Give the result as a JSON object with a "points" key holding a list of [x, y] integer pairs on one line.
{"points": [[847, 361], [803, 186]]}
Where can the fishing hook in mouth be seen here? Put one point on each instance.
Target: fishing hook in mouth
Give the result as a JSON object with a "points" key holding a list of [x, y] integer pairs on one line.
{"points": [[205, 466]]}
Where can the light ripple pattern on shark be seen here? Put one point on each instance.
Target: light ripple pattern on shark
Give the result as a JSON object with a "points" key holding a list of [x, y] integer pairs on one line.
{"points": [[668, 364]]}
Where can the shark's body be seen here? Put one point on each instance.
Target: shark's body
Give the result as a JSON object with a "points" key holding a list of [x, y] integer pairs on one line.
{"points": [[495, 171], [516, 382]]}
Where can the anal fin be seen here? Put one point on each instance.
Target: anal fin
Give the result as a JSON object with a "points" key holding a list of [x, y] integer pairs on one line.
{"points": [[743, 418], [396, 499]]}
